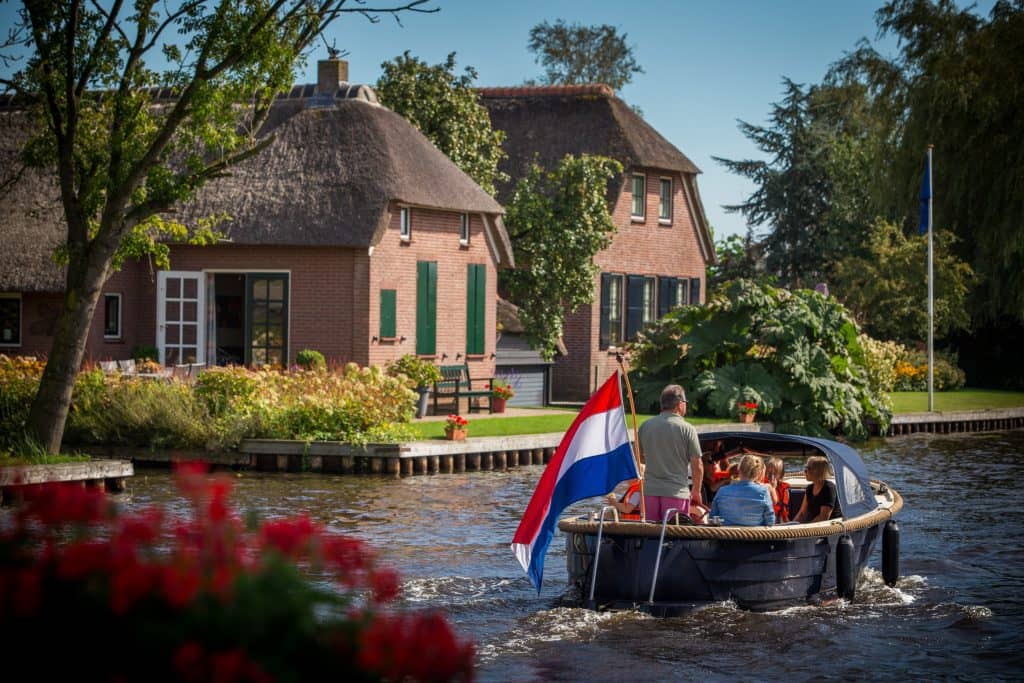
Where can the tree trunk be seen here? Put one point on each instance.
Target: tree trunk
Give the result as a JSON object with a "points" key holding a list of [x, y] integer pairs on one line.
{"points": [[49, 411]]}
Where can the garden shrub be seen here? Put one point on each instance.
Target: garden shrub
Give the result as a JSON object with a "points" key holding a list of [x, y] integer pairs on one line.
{"points": [[418, 373], [795, 354], [310, 359], [19, 381], [912, 372], [880, 359]]}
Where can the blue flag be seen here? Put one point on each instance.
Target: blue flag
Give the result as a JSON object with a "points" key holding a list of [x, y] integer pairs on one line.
{"points": [[926, 194]]}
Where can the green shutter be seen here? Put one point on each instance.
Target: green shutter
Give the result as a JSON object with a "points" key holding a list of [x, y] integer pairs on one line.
{"points": [[426, 308], [476, 307], [387, 314]]}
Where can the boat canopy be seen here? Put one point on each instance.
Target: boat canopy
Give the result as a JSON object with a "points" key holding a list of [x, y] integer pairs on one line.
{"points": [[852, 483]]}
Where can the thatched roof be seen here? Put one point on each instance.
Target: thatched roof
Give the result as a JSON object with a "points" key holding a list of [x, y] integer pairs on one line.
{"points": [[31, 218], [545, 123], [335, 169]]}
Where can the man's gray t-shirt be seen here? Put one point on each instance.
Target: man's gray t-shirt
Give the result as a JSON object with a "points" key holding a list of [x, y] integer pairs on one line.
{"points": [[667, 442]]}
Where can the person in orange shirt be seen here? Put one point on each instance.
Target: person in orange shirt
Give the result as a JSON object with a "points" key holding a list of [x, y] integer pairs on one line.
{"points": [[629, 505], [779, 489]]}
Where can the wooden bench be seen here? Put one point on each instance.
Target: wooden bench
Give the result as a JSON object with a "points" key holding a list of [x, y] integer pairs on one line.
{"points": [[456, 384]]}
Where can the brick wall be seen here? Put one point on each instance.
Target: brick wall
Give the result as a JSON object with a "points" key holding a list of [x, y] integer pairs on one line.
{"points": [[640, 247], [435, 237]]}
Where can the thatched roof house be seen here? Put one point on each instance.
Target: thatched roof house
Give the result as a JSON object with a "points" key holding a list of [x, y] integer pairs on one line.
{"points": [[658, 257], [349, 233]]}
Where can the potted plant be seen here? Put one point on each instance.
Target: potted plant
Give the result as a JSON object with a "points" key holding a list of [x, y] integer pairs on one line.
{"points": [[420, 374], [456, 428], [501, 391], [747, 410]]}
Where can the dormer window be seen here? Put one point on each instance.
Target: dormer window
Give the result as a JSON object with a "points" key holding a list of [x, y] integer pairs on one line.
{"points": [[464, 229], [639, 197], [405, 223]]}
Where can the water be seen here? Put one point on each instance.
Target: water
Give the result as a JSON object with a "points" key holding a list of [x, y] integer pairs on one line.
{"points": [[956, 613]]}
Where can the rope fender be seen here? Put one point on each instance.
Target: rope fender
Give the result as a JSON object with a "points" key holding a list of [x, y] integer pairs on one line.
{"points": [[737, 533]]}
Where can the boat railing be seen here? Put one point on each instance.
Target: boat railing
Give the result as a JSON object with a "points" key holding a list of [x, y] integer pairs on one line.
{"points": [[657, 560], [597, 547]]}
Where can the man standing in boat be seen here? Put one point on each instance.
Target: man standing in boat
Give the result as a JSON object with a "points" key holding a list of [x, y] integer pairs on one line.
{"points": [[671, 452]]}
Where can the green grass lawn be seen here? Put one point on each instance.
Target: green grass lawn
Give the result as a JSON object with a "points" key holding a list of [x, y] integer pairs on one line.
{"points": [[506, 426], [964, 399]]}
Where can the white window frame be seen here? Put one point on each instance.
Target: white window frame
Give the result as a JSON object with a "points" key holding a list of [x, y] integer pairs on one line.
{"points": [[643, 197], [683, 288], [120, 329], [405, 223], [665, 220], [650, 300], [618, 282], [21, 317], [464, 229]]}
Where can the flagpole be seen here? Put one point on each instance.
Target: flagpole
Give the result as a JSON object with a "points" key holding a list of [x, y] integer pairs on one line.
{"points": [[931, 294], [637, 456]]}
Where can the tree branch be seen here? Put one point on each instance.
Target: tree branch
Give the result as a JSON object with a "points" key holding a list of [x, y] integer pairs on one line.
{"points": [[101, 39]]}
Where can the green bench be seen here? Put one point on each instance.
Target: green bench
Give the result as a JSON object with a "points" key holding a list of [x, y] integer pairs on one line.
{"points": [[456, 384]]}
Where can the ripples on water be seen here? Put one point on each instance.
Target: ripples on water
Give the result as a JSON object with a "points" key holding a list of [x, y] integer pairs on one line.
{"points": [[956, 612]]}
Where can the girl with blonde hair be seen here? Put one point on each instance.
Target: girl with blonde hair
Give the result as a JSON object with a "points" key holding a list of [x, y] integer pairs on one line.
{"points": [[745, 502]]}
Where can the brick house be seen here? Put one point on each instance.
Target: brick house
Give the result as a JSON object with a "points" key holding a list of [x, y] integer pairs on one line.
{"points": [[350, 234], [658, 257]]}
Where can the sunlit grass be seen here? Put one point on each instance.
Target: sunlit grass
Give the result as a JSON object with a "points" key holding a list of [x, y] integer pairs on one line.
{"points": [[528, 424], [963, 399]]}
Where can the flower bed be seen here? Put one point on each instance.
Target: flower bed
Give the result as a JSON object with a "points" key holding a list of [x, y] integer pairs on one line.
{"points": [[219, 409], [207, 598]]}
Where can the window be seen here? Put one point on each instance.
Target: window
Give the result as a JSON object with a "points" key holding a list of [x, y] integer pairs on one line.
{"points": [[650, 301], [112, 316], [611, 310], [695, 291], [476, 307], [665, 201], [268, 319], [464, 229], [388, 327], [682, 297], [639, 291], [10, 319], [426, 308], [639, 196], [405, 223]]}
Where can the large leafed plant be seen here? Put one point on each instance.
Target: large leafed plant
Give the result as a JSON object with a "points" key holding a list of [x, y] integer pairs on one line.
{"points": [[796, 354]]}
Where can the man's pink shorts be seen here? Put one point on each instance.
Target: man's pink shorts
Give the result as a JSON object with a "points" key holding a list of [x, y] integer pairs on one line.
{"points": [[657, 506]]}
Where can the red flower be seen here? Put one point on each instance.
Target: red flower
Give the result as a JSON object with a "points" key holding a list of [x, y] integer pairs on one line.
{"points": [[79, 560], [386, 585], [290, 537]]}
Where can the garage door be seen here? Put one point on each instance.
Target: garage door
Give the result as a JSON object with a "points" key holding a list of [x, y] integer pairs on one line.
{"points": [[528, 382]]}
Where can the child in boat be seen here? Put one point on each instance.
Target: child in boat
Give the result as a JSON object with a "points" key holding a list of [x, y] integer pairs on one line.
{"points": [[629, 505], [745, 502], [821, 501], [717, 470], [776, 470]]}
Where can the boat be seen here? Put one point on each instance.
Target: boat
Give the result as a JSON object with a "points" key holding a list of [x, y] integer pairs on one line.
{"points": [[669, 567]]}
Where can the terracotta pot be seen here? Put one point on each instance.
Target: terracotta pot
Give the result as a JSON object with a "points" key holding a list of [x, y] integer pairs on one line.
{"points": [[498, 404], [746, 418], [455, 434]]}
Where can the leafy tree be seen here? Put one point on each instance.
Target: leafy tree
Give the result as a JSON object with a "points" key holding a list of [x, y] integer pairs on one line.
{"points": [[955, 82], [573, 53], [737, 258], [796, 354], [119, 157], [886, 290], [445, 108], [557, 220]]}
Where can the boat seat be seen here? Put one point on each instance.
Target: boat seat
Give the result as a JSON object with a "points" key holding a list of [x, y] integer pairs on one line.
{"points": [[796, 499]]}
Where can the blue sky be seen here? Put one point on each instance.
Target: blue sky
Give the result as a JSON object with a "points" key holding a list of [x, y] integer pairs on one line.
{"points": [[707, 64]]}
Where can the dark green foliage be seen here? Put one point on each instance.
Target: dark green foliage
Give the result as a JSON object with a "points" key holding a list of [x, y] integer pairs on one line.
{"points": [[310, 359], [796, 354], [737, 258], [573, 54], [955, 83]]}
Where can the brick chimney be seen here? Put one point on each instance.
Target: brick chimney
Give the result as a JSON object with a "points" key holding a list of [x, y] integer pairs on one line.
{"points": [[329, 73]]}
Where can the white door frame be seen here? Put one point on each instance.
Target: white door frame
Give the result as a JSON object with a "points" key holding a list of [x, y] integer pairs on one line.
{"points": [[161, 311]]}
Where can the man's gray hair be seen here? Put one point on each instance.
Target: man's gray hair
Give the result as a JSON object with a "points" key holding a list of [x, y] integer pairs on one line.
{"points": [[671, 396]]}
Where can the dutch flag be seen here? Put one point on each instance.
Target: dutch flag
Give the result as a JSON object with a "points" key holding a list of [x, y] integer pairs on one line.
{"points": [[594, 456]]}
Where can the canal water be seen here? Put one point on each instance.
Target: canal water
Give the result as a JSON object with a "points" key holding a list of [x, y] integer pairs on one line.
{"points": [[956, 613]]}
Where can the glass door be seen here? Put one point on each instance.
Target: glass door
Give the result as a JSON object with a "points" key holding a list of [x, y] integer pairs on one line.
{"points": [[180, 317], [267, 309]]}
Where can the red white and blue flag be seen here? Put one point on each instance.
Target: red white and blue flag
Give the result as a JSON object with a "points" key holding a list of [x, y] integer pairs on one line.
{"points": [[594, 456]]}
